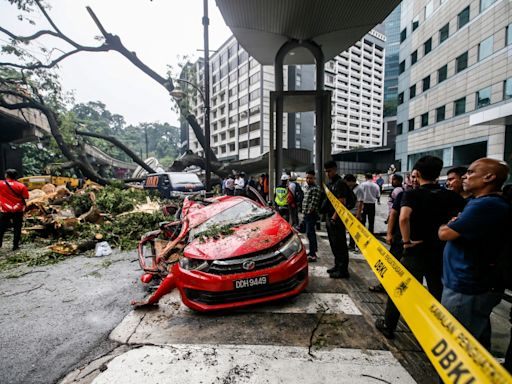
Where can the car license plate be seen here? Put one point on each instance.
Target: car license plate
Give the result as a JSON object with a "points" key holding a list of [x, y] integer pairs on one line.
{"points": [[251, 282]]}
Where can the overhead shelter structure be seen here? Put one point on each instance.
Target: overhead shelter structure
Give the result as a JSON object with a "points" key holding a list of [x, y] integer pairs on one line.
{"points": [[290, 32]]}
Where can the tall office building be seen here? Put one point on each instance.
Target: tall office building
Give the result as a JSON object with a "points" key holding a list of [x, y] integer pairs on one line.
{"points": [[392, 31], [240, 100], [239, 104], [455, 82], [356, 79]]}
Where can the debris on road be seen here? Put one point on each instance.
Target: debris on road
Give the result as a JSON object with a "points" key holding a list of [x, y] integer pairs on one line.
{"points": [[63, 222]]}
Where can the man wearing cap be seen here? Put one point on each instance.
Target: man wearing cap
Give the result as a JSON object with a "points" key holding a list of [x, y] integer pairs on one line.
{"points": [[281, 197], [12, 205]]}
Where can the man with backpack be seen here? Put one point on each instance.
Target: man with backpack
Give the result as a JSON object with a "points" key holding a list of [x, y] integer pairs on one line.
{"points": [[295, 199], [476, 267], [12, 206]]}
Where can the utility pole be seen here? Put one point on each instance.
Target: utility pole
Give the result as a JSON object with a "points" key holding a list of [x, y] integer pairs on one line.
{"points": [[206, 22], [146, 139]]}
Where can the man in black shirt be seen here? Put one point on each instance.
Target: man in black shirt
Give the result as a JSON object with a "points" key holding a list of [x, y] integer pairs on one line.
{"points": [[423, 211], [335, 227]]}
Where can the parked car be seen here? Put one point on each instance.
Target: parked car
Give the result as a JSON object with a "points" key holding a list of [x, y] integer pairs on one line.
{"points": [[174, 184], [225, 252]]}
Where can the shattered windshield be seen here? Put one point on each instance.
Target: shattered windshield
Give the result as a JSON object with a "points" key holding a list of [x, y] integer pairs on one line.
{"points": [[241, 213]]}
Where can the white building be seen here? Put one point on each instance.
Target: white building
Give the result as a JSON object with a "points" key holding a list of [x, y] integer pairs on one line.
{"points": [[356, 78], [240, 97], [455, 82]]}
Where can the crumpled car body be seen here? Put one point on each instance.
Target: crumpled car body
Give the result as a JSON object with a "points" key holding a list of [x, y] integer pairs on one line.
{"points": [[234, 252]]}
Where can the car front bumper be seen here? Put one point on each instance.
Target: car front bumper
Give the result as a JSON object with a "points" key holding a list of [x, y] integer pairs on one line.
{"points": [[206, 292]]}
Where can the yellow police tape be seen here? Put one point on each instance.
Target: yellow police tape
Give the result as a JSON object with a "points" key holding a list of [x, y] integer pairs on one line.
{"points": [[457, 356]]}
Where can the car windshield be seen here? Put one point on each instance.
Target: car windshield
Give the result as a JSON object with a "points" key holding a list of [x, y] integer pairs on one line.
{"points": [[184, 178], [241, 213]]}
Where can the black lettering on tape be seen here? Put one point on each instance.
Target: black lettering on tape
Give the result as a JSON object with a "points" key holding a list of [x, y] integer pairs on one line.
{"points": [[440, 347], [380, 268]]}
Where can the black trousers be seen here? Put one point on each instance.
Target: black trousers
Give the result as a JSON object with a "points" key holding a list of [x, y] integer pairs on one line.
{"points": [[16, 220], [369, 212], [422, 262], [338, 241]]}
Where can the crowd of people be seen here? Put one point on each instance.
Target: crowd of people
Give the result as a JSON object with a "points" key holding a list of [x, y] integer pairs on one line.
{"points": [[455, 237], [449, 235]]}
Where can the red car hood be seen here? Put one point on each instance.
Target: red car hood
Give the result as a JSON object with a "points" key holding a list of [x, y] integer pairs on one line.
{"points": [[248, 238]]}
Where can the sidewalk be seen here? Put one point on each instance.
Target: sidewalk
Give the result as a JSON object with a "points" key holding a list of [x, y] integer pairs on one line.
{"points": [[324, 335], [404, 346]]}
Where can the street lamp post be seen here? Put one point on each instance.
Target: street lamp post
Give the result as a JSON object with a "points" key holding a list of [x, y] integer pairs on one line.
{"points": [[206, 21], [178, 94]]}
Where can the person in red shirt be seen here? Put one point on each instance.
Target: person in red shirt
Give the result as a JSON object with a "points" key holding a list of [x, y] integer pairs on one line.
{"points": [[12, 206]]}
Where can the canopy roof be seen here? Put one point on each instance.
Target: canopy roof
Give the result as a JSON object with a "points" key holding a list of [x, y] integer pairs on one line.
{"points": [[263, 26]]}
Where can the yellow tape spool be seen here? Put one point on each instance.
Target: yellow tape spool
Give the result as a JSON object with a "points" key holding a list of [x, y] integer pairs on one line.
{"points": [[456, 355]]}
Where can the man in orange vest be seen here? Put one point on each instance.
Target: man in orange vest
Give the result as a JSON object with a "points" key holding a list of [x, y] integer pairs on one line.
{"points": [[12, 206]]}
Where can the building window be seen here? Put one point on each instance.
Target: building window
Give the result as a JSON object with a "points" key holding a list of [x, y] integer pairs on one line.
{"points": [[483, 97], [412, 91], [400, 98], [440, 114], [459, 107], [297, 143], [444, 33], [414, 57], [461, 62], [403, 35], [484, 4], [297, 128], [463, 17], [298, 80], [485, 48], [427, 46], [429, 8], [400, 129], [426, 83], [442, 73], [242, 145], [410, 127], [507, 89], [415, 23], [424, 120], [508, 35], [401, 68]]}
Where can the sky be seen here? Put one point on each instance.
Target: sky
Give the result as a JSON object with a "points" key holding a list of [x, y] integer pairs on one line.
{"points": [[159, 31]]}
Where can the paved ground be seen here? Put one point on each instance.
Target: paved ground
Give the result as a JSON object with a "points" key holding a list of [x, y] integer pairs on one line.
{"points": [[61, 317], [325, 335], [58, 317]]}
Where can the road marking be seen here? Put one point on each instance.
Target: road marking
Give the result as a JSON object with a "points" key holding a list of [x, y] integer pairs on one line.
{"points": [[182, 363], [311, 303]]}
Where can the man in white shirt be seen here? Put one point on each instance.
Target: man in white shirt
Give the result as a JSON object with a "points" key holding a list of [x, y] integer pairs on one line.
{"points": [[371, 194], [239, 185]]}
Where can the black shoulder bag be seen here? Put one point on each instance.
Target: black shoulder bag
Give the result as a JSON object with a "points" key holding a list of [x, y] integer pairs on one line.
{"points": [[15, 193]]}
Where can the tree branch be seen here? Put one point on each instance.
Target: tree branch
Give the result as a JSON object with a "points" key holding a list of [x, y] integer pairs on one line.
{"points": [[120, 145], [28, 38]]}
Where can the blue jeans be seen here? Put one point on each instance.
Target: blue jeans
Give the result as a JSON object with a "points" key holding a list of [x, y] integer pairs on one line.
{"points": [[473, 311], [310, 220]]}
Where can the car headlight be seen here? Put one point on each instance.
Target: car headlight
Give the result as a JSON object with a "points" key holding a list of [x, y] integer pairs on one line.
{"points": [[194, 264], [292, 247]]}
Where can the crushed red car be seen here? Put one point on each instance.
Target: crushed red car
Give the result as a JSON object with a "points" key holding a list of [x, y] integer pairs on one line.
{"points": [[224, 252]]}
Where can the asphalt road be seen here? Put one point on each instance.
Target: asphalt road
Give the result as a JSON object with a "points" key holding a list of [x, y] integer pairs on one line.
{"points": [[58, 317]]}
